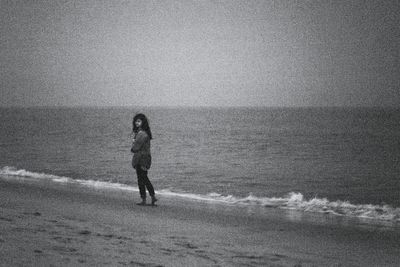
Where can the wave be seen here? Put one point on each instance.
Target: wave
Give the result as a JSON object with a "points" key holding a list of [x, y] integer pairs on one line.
{"points": [[293, 200], [296, 201], [11, 172]]}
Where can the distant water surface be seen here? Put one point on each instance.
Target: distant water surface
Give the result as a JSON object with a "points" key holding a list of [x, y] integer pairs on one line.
{"points": [[342, 154]]}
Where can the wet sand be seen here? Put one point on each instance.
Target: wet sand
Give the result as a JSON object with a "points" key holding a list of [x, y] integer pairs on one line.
{"points": [[48, 224]]}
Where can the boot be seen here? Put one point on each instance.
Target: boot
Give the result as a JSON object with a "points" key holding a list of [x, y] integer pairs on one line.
{"points": [[143, 203], [153, 200]]}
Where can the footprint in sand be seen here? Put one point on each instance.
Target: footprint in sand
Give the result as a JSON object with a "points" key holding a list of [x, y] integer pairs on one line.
{"points": [[136, 263], [177, 237], [256, 259], [187, 245], [65, 249], [34, 213], [112, 236], [183, 243], [84, 232], [167, 251], [64, 240], [5, 219]]}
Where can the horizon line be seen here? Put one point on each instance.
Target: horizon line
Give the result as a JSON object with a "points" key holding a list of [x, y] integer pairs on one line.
{"points": [[199, 106], [194, 107]]}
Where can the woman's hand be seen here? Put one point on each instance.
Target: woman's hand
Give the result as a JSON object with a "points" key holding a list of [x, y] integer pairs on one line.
{"points": [[132, 136]]}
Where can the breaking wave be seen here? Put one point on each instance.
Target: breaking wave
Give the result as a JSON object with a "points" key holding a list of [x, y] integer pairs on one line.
{"points": [[293, 200]]}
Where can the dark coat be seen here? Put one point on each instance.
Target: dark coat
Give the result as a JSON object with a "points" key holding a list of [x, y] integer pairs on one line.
{"points": [[141, 151]]}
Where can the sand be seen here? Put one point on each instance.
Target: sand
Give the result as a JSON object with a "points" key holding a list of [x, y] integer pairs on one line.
{"points": [[49, 224]]}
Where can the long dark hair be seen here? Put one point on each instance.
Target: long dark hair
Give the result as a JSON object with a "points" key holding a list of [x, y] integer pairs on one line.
{"points": [[145, 124]]}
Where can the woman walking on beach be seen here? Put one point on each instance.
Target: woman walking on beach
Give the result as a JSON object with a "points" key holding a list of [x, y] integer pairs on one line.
{"points": [[141, 160]]}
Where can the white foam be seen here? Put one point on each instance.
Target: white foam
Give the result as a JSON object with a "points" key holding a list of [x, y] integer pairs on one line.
{"points": [[11, 171], [293, 200], [21, 174]]}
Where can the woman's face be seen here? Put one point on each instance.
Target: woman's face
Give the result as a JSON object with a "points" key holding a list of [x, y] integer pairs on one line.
{"points": [[138, 123]]}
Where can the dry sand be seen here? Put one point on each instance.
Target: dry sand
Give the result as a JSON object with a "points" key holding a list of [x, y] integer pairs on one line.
{"points": [[45, 224]]}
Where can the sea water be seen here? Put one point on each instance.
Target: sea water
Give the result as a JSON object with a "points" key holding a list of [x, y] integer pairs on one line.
{"points": [[343, 161]]}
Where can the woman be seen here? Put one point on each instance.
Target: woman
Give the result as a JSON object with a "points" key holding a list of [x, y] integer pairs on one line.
{"points": [[141, 160]]}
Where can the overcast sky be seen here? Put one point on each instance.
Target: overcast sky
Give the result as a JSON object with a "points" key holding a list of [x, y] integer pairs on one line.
{"points": [[200, 53]]}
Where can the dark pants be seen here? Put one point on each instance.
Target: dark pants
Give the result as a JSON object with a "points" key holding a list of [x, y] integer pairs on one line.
{"points": [[144, 182]]}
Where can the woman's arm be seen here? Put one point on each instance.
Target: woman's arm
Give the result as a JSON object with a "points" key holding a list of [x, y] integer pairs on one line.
{"points": [[141, 138]]}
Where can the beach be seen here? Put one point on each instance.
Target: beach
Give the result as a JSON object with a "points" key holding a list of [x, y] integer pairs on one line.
{"points": [[50, 224], [273, 133]]}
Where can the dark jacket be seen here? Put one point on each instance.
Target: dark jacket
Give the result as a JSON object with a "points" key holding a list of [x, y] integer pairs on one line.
{"points": [[141, 151]]}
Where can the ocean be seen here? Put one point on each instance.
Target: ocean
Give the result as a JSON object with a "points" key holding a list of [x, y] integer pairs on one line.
{"points": [[340, 161]]}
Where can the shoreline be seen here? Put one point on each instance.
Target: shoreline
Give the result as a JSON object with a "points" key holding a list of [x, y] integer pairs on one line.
{"points": [[54, 224]]}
